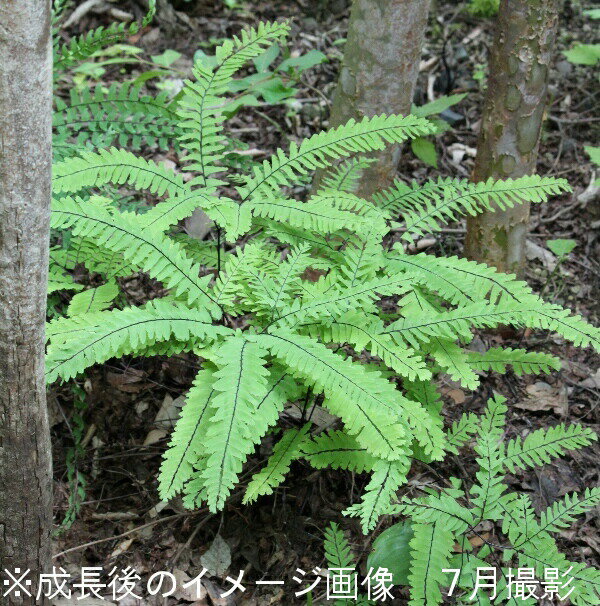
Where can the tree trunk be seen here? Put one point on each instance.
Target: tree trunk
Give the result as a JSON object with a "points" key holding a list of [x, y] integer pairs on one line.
{"points": [[511, 124], [25, 184], [379, 71]]}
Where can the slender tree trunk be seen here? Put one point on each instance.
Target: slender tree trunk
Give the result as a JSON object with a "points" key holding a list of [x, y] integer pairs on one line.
{"points": [[379, 71], [25, 181], [511, 124]]}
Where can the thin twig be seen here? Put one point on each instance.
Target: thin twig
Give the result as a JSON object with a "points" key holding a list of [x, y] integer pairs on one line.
{"points": [[128, 532]]}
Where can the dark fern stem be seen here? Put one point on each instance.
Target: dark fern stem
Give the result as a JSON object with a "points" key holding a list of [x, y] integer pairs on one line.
{"points": [[218, 250]]}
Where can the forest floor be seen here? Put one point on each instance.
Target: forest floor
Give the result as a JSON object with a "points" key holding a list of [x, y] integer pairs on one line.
{"points": [[128, 406]]}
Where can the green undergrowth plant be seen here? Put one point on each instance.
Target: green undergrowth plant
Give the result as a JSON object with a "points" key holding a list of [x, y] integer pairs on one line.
{"points": [[435, 538], [293, 302], [96, 116], [338, 555], [484, 8]]}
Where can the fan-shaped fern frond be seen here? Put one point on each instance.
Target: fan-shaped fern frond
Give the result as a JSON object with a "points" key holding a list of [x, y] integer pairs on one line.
{"points": [[368, 404], [524, 540]]}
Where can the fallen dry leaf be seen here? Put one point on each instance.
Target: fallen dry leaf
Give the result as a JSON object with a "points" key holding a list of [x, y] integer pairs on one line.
{"points": [[541, 396]]}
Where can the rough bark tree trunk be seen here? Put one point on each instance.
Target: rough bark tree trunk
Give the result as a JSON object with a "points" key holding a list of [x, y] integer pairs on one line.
{"points": [[25, 182], [511, 124], [379, 71]]}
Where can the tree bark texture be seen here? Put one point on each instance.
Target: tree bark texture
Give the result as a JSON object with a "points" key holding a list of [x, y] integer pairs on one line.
{"points": [[25, 185], [379, 71], [511, 124]]}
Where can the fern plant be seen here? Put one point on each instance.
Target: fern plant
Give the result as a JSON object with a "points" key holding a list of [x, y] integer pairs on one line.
{"points": [[445, 518], [96, 118], [363, 340], [338, 555]]}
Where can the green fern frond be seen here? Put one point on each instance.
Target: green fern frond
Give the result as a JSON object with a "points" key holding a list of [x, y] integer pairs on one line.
{"points": [[522, 361], [289, 275], [338, 450], [90, 339], [116, 166], [362, 259], [524, 540], [288, 449], [454, 361], [240, 383], [431, 547], [120, 114], [229, 283], [58, 280], [202, 252], [403, 197], [200, 108], [457, 323], [187, 440], [482, 281], [345, 177], [93, 299], [325, 299], [489, 488], [433, 207], [98, 259], [561, 514], [337, 549], [368, 404], [429, 272], [449, 325], [148, 250], [542, 445], [322, 149], [387, 477], [315, 215], [83, 47], [461, 431], [364, 331], [442, 509]]}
